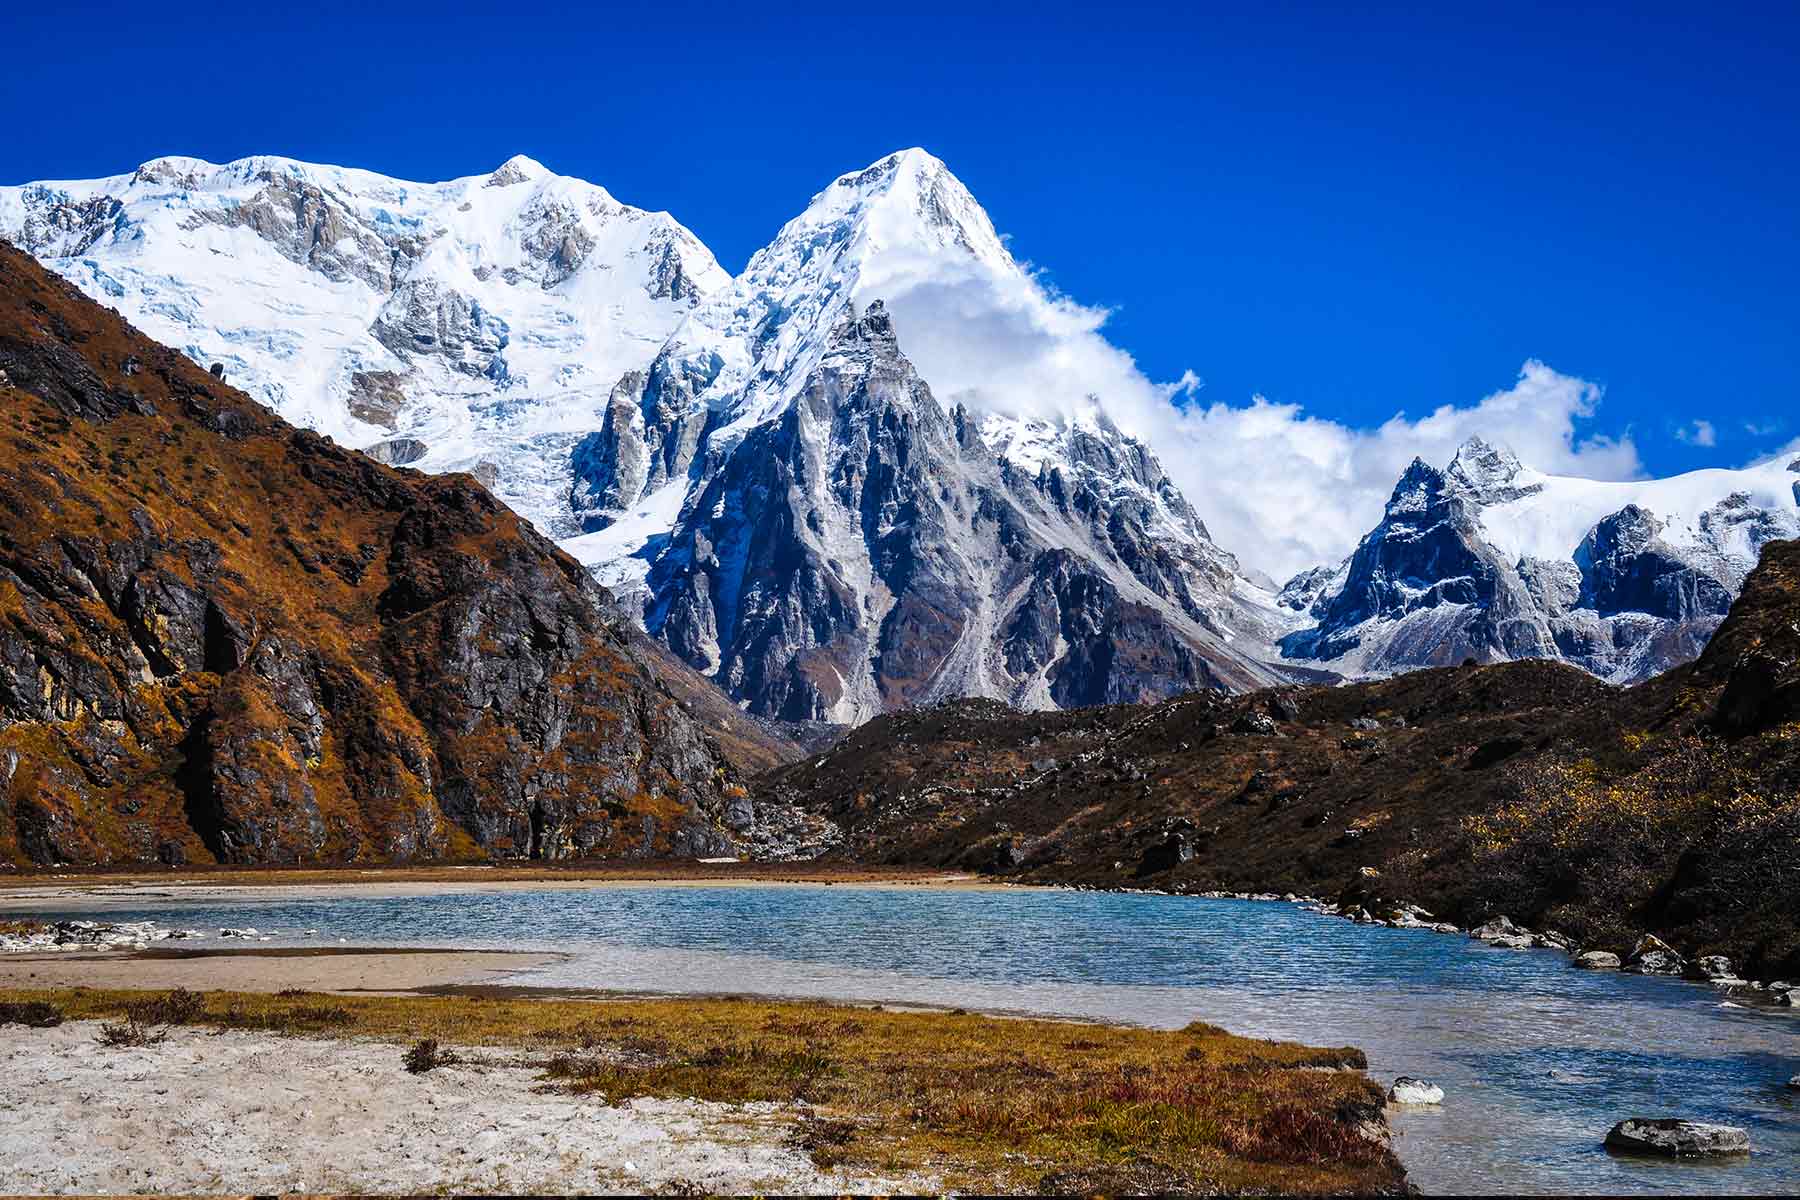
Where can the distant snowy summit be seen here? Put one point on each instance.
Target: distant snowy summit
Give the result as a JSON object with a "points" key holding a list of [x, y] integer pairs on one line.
{"points": [[1490, 560], [476, 325]]}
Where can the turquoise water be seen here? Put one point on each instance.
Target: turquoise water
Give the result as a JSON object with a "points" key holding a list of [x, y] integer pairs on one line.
{"points": [[1537, 1060]]}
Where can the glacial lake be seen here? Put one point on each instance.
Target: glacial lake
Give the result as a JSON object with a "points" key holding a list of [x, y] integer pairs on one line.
{"points": [[1537, 1059]]}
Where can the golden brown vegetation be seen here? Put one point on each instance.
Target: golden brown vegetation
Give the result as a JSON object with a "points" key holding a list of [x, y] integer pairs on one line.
{"points": [[979, 1103]]}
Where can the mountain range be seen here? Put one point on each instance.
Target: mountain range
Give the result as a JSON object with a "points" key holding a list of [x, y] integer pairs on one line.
{"points": [[761, 472]]}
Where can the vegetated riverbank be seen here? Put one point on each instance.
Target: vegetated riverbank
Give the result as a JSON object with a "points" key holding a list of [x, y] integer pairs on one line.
{"points": [[1527, 789], [859, 1097]]}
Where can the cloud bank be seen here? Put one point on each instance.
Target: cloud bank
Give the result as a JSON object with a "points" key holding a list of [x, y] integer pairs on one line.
{"points": [[1279, 487]]}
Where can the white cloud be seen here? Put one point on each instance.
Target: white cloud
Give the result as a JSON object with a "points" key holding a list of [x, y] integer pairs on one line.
{"points": [[1700, 433], [1280, 488]]}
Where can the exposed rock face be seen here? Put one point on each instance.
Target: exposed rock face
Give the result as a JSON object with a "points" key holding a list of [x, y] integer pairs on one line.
{"points": [[1490, 561], [221, 638], [867, 550]]}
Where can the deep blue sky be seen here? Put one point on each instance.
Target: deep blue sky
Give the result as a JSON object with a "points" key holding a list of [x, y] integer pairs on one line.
{"points": [[1360, 212]]}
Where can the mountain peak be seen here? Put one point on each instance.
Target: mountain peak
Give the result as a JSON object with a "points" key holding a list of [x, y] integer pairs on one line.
{"points": [[908, 203], [1477, 456], [172, 168], [517, 169], [1486, 473]]}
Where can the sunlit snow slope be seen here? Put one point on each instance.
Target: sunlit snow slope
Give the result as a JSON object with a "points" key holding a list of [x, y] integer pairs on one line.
{"points": [[478, 324]]}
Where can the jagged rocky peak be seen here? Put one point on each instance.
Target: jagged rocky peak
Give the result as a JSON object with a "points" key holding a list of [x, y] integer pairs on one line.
{"points": [[1491, 559], [1486, 474]]}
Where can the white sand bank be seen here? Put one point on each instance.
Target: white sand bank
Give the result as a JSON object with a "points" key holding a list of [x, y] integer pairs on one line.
{"points": [[253, 1112]]}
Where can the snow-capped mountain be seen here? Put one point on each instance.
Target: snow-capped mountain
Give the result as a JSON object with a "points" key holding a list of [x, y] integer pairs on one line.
{"points": [[1488, 559], [802, 519], [478, 324]]}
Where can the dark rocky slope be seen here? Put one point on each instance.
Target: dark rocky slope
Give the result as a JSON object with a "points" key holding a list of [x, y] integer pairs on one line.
{"points": [[1526, 789], [225, 639]]}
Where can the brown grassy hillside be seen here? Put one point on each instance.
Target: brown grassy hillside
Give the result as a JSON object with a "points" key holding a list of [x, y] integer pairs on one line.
{"points": [[222, 638]]}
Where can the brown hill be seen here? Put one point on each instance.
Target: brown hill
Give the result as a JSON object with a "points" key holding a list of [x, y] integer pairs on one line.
{"points": [[1527, 789], [225, 639]]}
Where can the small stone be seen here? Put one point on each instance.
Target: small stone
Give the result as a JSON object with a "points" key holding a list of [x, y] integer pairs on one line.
{"points": [[1597, 960], [1672, 1138], [1407, 1090], [1794, 1084]]}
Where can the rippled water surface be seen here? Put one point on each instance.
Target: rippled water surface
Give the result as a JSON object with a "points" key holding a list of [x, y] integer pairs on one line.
{"points": [[1537, 1060]]}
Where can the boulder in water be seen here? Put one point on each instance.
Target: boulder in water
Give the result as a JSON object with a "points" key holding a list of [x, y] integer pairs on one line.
{"points": [[1597, 960], [1669, 1137], [1794, 1084], [1407, 1090], [1712, 966]]}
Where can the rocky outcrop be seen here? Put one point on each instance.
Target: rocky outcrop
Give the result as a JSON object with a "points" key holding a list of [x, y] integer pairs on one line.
{"points": [[225, 639]]}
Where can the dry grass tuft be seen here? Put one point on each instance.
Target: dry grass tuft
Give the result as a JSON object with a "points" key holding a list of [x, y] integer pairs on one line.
{"points": [[34, 1014], [426, 1055]]}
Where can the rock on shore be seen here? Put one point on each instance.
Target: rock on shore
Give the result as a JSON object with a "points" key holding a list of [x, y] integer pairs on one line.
{"points": [[89, 935]]}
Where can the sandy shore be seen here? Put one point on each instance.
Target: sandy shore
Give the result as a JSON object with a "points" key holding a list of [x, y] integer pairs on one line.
{"points": [[266, 970], [596, 873], [259, 1113], [68, 896]]}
